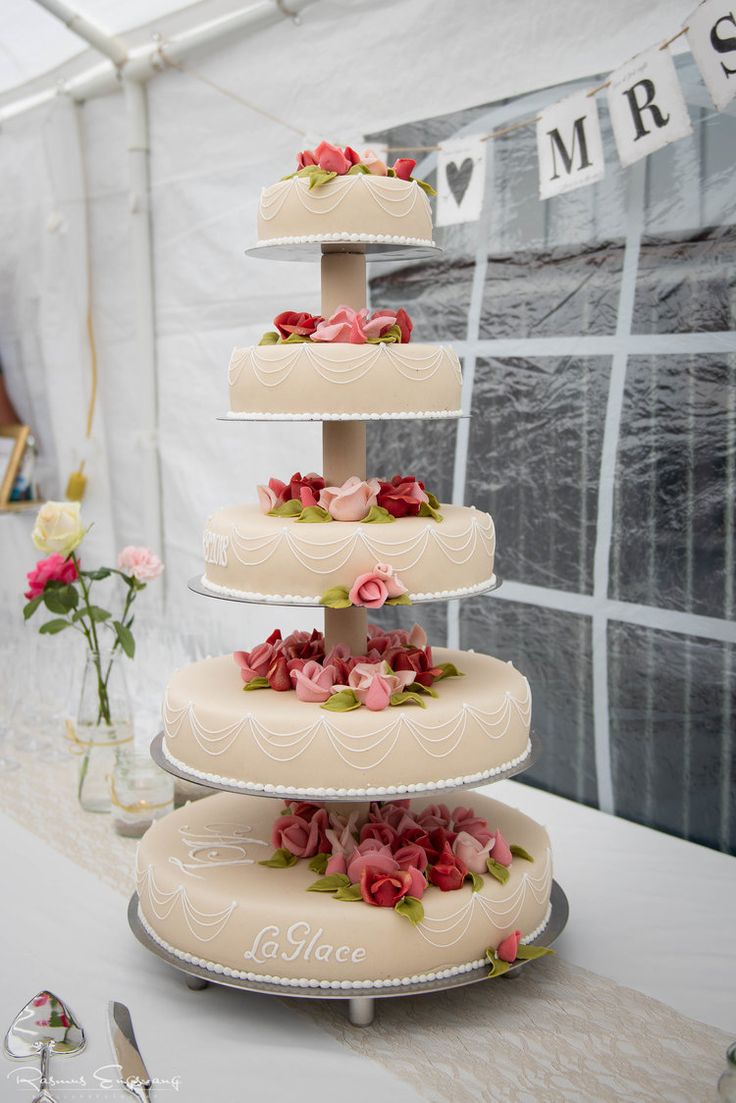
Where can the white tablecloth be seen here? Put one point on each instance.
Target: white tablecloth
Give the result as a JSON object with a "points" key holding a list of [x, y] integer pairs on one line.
{"points": [[649, 911]]}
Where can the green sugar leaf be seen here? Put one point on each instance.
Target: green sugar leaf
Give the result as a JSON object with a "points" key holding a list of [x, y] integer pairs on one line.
{"points": [[411, 908], [270, 338], [357, 170], [519, 852], [402, 599], [417, 687], [449, 670], [318, 864], [320, 177], [377, 515], [530, 953], [336, 598], [343, 701], [426, 509], [476, 880], [314, 515], [392, 336], [434, 502], [426, 188], [406, 697], [295, 339], [280, 859], [292, 508], [350, 893], [497, 870], [51, 627], [332, 883], [498, 967], [256, 683]]}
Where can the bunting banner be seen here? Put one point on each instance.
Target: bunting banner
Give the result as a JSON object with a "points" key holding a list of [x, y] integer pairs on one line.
{"points": [[711, 34], [461, 173], [646, 104], [569, 145]]}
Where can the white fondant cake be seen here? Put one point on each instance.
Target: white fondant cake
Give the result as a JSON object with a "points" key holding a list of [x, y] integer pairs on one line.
{"points": [[370, 208], [204, 897], [340, 381], [271, 558], [476, 726]]}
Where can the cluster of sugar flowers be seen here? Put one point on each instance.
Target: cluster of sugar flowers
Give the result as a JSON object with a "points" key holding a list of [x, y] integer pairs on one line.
{"points": [[395, 855], [307, 498], [326, 161], [344, 326], [397, 669]]}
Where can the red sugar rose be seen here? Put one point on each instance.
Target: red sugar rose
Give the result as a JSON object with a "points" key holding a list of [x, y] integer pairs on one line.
{"points": [[448, 872]]}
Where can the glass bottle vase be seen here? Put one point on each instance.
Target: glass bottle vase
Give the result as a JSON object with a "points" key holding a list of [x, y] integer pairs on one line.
{"points": [[104, 729]]}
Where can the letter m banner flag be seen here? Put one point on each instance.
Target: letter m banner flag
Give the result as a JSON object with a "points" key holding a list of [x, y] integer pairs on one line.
{"points": [[569, 145]]}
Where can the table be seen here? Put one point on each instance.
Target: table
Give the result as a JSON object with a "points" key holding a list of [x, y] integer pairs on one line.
{"points": [[638, 898]]}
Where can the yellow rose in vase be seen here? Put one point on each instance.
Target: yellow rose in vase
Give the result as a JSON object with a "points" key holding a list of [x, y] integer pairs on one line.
{"points": [[58, 528]]}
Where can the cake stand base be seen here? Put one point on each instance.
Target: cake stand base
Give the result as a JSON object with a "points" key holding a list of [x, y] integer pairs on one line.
{"points": [[361, 1007]]}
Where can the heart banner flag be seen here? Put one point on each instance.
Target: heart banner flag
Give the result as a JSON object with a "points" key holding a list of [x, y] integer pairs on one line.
{"points": [[647, 107], [569, 145], [461, 177], [711, 34]]}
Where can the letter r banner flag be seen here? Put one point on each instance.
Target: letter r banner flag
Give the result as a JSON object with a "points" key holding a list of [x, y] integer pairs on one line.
{"points": [[648, 109], [569, 145]]}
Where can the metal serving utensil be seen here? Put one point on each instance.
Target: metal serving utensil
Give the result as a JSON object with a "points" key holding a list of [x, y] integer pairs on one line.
{"points": [[44, 1026], [133, 1072]]}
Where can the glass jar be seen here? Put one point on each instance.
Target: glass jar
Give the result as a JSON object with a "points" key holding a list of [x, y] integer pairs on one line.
{"points": [[727, 1082], [103, 731], [140, 792]]}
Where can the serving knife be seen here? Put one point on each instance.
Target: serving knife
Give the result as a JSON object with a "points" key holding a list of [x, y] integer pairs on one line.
{"points": [[133, 1072]]}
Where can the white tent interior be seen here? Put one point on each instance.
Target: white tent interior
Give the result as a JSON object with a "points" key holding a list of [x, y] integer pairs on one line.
{"points": [[208, 102]]}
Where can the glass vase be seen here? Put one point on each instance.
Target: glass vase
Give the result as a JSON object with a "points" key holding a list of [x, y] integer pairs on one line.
{"points": [[104, 729]]}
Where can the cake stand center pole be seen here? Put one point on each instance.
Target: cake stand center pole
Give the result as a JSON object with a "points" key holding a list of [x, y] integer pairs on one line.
{"points": [[343, 442]]}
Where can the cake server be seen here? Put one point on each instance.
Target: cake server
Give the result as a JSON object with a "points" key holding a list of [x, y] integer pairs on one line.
{"points": [[44, 1026], [133, 1072]]}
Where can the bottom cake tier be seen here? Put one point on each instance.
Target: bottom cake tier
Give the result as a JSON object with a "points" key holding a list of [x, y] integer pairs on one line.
{"points": [[206, 897]]}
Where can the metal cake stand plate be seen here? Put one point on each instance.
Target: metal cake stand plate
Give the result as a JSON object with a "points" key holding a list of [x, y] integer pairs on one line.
{"points": [[371, 250], [256, 419], [361, 1008], [196, 585], [160, 758]]}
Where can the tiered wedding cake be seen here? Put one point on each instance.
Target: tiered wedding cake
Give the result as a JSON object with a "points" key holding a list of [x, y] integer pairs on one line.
{"points": [[358, 735]]}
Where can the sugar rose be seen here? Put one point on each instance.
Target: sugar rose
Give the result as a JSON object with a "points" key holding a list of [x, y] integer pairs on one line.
{"points": [[58, 528]]}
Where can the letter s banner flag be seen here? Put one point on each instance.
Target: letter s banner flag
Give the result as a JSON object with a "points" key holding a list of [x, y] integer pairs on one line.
{"points": [[712, 38], [648, 109], [569, 145]]}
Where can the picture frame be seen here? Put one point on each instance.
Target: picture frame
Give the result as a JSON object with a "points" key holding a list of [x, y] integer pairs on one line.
{"points": [[11, 458]]}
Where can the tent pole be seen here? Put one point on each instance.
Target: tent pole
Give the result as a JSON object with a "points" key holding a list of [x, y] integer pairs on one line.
{"points": [[106, 44]]}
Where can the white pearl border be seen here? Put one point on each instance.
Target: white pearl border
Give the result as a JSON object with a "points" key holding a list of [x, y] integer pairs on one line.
{"points": [[379, 791], [306, 982], [371, 239], [408, 415], [298, 599]]}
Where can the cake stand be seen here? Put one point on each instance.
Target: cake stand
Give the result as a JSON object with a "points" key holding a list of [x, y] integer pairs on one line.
{"points": [[343, 273]]}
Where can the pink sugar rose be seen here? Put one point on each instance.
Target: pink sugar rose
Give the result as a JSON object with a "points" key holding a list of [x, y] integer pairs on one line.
{"points": [[378, 323], [140, 562], [385, 890], [305, 158], [465, 819], [370, 853], [331, 158], [402, 496], [352, 501], [373, 163], [435, 815], [383, 832], [336, 864], [344, 327], [304, 645], [302, 837], [374, 588], [404, 167], [257, 663], [373, 684], [411, 855], [55, 568], [472, 853], [313, 682], [507, 948], [502, 850], [273, 495]]}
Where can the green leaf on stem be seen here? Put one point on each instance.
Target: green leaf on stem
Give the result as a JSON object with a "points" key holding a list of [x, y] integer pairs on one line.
{"points": [[51, 627], [94, 612], [30, 608], [99, 574], [125, 638], [54, 602]]}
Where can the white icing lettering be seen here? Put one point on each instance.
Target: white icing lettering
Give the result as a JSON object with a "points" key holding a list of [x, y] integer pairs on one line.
{"points": [[300, 942], [215, 546]]}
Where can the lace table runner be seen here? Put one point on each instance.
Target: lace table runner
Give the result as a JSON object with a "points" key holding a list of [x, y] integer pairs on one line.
{"points": [[556, 1033]]}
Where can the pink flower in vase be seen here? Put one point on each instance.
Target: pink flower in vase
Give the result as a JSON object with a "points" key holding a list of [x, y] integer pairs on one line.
{"points": [[142, 563], [55, 568]]}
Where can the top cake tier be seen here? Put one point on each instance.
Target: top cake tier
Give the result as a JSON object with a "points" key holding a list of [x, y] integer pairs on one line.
{"points": [[362, 208]]}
